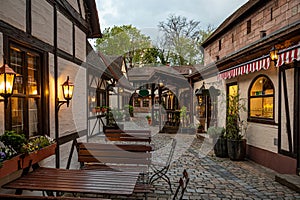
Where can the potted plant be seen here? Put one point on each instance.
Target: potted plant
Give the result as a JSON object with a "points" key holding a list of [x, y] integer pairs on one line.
{"points": [[219, 141], [200, 128], [96, 109], [236, 144], [129, 108], [148, 117], [104, 109], [36, 149]]}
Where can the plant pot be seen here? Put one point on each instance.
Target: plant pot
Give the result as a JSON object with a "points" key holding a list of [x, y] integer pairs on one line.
{"points": [[220, 148], [149, 121], [236, 149], [38, 155], [10, 166]]}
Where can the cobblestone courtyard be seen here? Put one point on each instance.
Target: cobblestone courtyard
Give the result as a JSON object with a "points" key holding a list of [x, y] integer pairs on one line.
{"points": [[211, 177], [218, 178]]}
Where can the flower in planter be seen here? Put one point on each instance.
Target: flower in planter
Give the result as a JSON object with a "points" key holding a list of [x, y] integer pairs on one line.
{"points": [[13, 141], [36, 143]]}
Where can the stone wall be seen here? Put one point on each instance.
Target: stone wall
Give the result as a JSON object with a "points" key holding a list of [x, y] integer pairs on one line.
{"points": [[284, 12]]}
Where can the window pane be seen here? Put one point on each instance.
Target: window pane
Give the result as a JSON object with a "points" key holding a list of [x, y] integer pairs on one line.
{"points": [[32, 63], [145, 102], [16, 62], [33, 116], [17, 106], [262, 86], [261, 107], [137, 102]]}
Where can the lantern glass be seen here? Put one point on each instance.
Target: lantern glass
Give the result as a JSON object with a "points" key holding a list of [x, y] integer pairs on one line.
{"points": [[7, 77], [67, 88], [274, 54]]}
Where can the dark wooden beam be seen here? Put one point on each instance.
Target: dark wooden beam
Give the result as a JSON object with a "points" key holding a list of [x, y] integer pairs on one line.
{"points": [[28, 17], [68, 11], [24, 38], [297, 113]]}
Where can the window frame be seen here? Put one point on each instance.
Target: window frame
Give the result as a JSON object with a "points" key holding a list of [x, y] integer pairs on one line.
{"points": [[261, 119], [43, 85]]}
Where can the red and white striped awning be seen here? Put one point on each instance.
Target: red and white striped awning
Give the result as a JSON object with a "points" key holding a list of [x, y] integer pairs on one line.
{"points": [[285, 56], [246, 68], [288, 55]]}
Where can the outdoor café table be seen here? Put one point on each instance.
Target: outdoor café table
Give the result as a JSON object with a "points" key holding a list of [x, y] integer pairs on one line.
{"points": [[76, 181]]}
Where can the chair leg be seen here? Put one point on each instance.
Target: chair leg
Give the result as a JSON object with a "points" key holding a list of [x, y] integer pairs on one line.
{"points": [[161, 174]]}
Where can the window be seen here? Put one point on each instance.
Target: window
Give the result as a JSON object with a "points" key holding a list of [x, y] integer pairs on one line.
{"points": [[145, 102], [137, 102], [232, 38], [220, 45], [271, 14], [25, 105], [249, 26], [261, 98]]}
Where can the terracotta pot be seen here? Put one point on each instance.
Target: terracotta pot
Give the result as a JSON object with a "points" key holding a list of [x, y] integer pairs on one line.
{"points": [[10, 166]]}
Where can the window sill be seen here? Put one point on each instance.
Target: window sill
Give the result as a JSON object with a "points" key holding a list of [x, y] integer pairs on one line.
{"points": [[262, 121]]}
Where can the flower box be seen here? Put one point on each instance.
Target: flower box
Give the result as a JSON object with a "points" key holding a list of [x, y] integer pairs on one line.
{"points": [[10, 166], [38, 155]]}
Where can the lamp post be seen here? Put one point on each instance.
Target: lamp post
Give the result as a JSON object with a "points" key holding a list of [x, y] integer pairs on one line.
{"points": [[7, 79], [67, 88]]}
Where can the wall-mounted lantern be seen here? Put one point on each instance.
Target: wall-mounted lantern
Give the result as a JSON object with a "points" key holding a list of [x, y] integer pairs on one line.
{"points": [[274, 54], [67, 88], [7, 79], [201, 93]]}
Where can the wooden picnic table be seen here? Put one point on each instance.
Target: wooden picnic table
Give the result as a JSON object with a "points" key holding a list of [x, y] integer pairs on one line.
{"points": [[76, 181]]}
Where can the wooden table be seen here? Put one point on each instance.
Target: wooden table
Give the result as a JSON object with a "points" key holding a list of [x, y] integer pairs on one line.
{"points": [[77, 181]]}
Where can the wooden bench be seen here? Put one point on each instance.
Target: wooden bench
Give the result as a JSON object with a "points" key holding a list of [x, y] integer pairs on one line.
{"points": [[117, 157], [114, 155], [128, 135], [51, 179]]}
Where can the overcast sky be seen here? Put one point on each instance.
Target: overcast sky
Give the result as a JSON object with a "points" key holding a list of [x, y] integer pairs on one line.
{"points": [[146, 14]]}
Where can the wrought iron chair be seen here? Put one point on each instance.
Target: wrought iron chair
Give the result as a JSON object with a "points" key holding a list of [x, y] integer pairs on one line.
{"points": [[160, 171], [183, 182]]}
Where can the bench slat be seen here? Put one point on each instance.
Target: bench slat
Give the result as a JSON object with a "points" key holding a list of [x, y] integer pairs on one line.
{"points": [[127, 147]]}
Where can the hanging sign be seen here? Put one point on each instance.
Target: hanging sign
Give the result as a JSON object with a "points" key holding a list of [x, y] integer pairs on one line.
{"points": [[143, 93]]}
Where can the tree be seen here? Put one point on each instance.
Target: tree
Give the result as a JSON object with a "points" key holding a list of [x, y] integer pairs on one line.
{"points": [[124, 40], [182, 39]]}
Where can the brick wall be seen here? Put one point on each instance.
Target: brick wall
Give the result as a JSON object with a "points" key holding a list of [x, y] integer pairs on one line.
{"points": [[284, 12]]}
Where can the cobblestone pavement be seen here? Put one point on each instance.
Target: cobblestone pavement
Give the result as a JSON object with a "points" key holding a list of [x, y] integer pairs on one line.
{"points": [[212, 177], [216, 178]]}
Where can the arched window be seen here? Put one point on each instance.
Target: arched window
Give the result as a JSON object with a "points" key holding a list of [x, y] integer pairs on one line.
{"points": [[261, 99]]}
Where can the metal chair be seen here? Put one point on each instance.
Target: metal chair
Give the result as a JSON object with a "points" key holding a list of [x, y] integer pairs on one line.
{"points": [[183, 182], [160, 171]]}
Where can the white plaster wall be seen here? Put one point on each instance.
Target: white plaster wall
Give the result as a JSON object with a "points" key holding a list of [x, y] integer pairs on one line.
{"points": [[74, 4], [1, 103], [72, 118], [14, 13], [80, 44], [290, 89], [42, 20], [221, 85], [64, 33], [258, 134], [51, 96], [82, 8]]}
